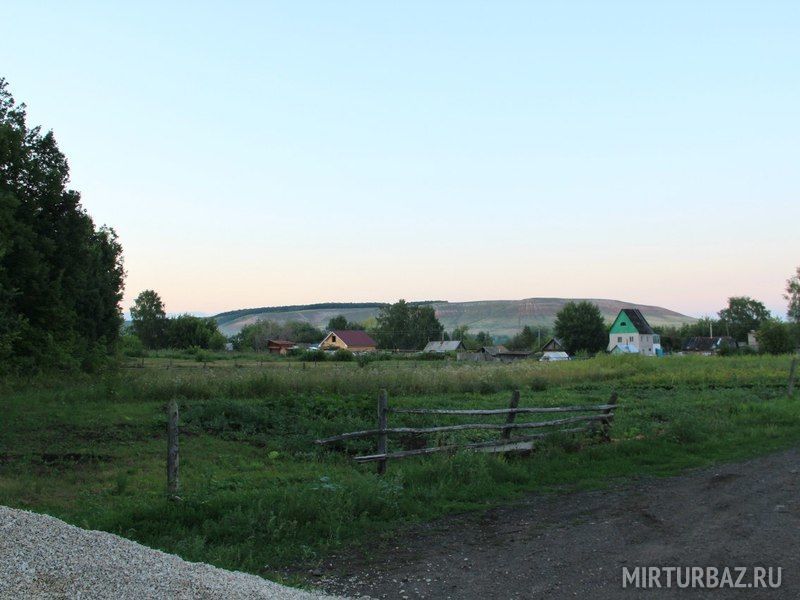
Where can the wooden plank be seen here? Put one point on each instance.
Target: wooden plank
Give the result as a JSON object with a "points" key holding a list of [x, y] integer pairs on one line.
{"points": [[424, 430], [173, 458], [383, 423], [478, 446], [506, 433], [609, 416], [500, 411]]}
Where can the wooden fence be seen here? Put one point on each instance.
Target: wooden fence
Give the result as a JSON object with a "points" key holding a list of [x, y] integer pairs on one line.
{"points": [[573, 424]]}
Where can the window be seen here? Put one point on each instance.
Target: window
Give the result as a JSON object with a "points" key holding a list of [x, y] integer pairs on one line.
{"points": [[333, 339], [631, 338], [623, 324], [619, 338]]}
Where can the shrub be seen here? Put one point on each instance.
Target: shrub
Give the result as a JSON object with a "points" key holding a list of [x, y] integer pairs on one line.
{"points": [[343, 355], [774, 337], [313, 356], [132, 346]]}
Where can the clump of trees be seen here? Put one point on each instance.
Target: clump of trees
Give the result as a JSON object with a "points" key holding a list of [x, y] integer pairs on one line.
{"points": [[742, 315], [406, 326], [471, 341], [340, 322], [580, 327], [255, 336], [61, 277], [153, 330]]}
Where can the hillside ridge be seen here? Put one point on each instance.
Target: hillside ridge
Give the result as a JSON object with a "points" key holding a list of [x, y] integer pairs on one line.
{"points": [[498, 317]]}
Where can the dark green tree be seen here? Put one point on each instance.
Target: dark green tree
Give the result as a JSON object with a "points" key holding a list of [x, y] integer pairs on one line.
{"points": [[580, 326], [793, 296], [406, 326], [742, 315], [340, 322], [188, 331], [255, 336], [484, 338], [775, 337], [524, 340], [61, 278], [149, 319]]}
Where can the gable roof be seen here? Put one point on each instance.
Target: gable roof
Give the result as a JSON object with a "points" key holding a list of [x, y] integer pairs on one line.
{"points": [[555, 345], [354, 337], [449, 346], [494, 350], [637, 319]]}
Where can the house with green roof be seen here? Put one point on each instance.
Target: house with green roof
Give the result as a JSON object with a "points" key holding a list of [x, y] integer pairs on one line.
{"points": [[632, 334]]}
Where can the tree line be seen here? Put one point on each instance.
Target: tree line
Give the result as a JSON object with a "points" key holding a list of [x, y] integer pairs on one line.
{"points": [[61, 276]]}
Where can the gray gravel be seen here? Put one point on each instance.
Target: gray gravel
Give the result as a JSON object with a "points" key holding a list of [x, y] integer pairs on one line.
{"points": [[43, 557]]}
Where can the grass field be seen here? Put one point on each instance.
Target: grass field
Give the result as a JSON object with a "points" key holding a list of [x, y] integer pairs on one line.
{"points": [[258, 495]]}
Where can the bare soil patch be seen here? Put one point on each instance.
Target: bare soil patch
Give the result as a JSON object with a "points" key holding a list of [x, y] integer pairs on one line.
{"points": [[575, 544]]}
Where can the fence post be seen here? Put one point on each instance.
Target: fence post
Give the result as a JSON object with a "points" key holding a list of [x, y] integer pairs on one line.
{"points": [[173, 459], [383, 419], [606, 423], [792, 371], [506, 433]]}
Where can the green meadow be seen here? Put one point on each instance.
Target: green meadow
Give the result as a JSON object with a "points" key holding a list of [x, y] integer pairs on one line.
{"points": [[258, 495]]}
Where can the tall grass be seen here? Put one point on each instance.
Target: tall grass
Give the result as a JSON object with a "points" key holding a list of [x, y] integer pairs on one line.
{"points": [[258, 494]]}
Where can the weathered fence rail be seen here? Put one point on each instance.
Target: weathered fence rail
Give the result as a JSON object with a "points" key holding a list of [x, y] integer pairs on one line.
{"points": [[599, 422]]}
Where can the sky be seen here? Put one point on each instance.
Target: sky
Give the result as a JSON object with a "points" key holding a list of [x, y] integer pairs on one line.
{"points": [[262, 154]]}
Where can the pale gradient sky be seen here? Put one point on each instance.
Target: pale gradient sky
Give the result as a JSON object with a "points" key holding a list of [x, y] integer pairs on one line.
{"points": [[254, 154]]}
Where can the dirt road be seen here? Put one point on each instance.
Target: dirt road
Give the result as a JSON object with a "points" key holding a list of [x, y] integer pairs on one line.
{"points": [[575, 545]]}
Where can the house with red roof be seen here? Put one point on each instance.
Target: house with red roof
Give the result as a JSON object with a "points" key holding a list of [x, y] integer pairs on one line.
{"points": [[348, 339]]}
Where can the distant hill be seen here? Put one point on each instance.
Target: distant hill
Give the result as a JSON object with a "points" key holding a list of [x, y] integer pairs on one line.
{"points": [[498, 317]]}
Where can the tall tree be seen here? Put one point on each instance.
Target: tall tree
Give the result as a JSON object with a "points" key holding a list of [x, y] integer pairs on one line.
{"points": [[524, 340], [742, 315], [61, 278], [580, 327], [340, 322], [406, 326], [187, 331], [793, 296], [149, 319]]}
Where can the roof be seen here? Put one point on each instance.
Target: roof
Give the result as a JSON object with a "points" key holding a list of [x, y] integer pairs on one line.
{"points": [[354, 337], [707, 344], [625, 349], [637, 320], [555, 354], [280, 343], [449, 346], [494, 350], [556, 343]]}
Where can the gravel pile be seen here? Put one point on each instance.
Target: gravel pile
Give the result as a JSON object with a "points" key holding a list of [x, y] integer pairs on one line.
{"points": [[43, 557]]}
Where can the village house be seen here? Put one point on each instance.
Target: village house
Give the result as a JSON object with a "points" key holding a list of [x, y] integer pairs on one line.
{"points": [[554, 350], [707, 345], [442, 347], [348, 339], [632, 334], [281, 347]]}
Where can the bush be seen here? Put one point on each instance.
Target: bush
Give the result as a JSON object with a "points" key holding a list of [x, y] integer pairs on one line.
{"points": [[217, 341], [774, 337], [313, 356], [132, 346], [342, 355], [432, 356]]}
